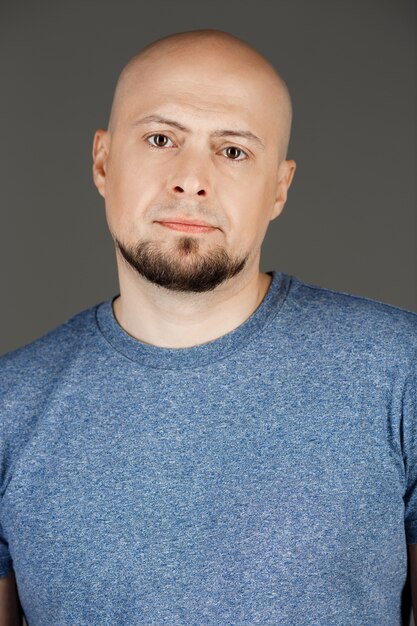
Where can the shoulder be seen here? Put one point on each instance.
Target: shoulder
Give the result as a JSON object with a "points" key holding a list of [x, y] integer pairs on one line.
{"points": [[31, 364], [39, 373], [352, 319]]}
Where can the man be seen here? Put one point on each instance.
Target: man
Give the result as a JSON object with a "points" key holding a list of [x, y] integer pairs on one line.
{"points": [[214, 445]]}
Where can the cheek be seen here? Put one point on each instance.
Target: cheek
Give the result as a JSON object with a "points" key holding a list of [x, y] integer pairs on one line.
{"points": [[251, 206], [130, 187]]}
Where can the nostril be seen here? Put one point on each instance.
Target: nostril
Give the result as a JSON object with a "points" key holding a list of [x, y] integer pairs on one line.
{"points": [[201, 192], [178, 188]]}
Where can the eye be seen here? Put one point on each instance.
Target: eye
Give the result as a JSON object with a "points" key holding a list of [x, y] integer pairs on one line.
{"points": [[233, 153], [160, 140]]}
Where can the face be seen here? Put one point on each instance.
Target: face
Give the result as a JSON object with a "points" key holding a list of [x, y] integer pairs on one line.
{"points": [[199, 142]]}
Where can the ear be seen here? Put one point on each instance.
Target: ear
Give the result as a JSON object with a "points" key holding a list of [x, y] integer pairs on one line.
{"points": [[101, 147], [286, 173]]}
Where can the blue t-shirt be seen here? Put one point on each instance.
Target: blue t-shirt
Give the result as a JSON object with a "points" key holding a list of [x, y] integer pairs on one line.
{"points": [[266, 477]]}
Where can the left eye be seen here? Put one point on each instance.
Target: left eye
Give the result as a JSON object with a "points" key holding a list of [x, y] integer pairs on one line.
{"points": [[233, 153], [161, 140]]}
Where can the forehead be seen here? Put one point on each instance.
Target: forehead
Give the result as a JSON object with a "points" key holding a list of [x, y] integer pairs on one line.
{"points": [[201, 92]]}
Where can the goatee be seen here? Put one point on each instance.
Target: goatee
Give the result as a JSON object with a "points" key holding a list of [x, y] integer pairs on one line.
{"points": [[187, 271]]}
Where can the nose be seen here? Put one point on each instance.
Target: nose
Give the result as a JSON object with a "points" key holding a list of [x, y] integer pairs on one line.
{"points": [[190, 177], [190, 187]]}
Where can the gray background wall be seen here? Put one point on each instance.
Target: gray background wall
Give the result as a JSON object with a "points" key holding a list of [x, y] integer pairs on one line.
{"points": [[350, 220]]}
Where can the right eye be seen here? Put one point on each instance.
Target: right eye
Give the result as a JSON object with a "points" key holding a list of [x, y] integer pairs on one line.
{"points": [[160, 140]]}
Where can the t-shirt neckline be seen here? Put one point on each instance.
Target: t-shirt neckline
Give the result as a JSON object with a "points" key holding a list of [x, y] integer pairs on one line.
{"points": [[203, 354]]}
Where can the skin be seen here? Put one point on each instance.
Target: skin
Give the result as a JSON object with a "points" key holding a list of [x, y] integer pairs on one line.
{"points": [[412, 555], [182, 289], [10, 608]]}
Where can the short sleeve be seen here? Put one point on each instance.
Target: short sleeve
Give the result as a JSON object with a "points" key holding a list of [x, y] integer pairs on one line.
{"points": [[409, 446]]}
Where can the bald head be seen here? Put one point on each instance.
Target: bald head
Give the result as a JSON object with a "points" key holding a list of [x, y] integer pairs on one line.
{"points": [[199, 128], [212, 53]]}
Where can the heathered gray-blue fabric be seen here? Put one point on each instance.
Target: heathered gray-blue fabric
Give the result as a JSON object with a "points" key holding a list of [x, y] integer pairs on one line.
{"points": [[266, 477]]}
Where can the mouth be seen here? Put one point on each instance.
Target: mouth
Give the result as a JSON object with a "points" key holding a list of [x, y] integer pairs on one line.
{"points": [[188, 226]]}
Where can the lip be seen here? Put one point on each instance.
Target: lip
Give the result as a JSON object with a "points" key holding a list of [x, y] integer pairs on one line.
{"points": [[189, 228], [180, 220], [187, 225]]}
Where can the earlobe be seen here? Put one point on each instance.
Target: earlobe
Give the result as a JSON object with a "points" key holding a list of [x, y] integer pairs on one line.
{"points": [[100, 155]]}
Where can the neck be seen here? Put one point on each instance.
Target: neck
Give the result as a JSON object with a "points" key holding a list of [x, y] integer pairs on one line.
{"points": [[169, 319]]}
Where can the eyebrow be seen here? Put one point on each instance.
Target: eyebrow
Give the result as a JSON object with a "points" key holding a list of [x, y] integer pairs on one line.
{"points": [[246, 134]]}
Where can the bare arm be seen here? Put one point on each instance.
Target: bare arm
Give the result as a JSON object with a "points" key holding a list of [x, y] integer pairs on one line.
{"points": [[412, 553], [10, 610]]}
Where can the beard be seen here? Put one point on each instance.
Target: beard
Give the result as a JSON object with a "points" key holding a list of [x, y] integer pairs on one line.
{"points": [[186, 270]]}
